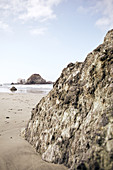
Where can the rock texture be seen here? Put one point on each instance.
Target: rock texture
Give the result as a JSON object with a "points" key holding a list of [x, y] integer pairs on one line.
{"points": [[35, 79], [73, 124]]}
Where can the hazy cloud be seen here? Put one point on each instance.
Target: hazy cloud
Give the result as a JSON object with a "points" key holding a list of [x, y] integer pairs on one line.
{"points": [[5, 27], [104, 10], [26, 10], [38, 31], [29, 9], [82, 10]]}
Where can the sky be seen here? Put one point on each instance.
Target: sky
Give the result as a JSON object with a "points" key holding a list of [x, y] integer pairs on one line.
{"points": [[43, 36]]}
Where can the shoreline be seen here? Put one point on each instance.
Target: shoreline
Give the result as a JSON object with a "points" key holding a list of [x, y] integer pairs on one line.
{"points": [[15, 152], [39, 88]]}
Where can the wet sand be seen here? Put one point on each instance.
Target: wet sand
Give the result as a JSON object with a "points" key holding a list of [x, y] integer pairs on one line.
{"points": [[15, 152]]}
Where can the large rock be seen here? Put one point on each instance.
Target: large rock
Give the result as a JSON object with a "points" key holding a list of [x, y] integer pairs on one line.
{"points": [[35, 79], [73, 124]]}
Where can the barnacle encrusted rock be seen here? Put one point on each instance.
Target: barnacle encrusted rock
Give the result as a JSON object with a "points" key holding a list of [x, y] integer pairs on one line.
{"points": [[73, 124]]}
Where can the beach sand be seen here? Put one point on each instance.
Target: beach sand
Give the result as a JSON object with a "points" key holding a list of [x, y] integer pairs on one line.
{"points": [[15, 152]]}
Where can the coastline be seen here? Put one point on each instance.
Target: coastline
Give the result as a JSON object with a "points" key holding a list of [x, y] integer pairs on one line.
{"points": [[29, 88], [15, 152]]}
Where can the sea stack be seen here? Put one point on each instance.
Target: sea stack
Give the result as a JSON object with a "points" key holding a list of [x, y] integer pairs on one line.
{"points": [[35, 79], [73, 124]]}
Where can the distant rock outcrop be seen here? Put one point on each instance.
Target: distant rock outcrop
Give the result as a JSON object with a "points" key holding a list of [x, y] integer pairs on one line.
{"points": [[21, 81], [73, 124], [35, 79]]}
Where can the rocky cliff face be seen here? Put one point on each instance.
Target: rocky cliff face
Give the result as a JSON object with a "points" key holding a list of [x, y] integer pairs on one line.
{"points": [[35, 79], [73, 124]]}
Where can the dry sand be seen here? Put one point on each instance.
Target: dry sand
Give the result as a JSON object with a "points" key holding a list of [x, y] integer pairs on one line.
{"points": [[15, 152]]}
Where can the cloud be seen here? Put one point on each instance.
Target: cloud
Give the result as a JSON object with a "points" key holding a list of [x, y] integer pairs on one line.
{"points": [[5, 27], [106, 9], [82, 10], [29, 9], [38, 31], [38, 11], [25, 11], [102, 8]]}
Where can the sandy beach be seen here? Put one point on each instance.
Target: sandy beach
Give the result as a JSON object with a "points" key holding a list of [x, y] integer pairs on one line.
{"points": [[15, 152]]}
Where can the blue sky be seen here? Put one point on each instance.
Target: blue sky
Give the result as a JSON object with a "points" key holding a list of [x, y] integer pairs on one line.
{"points": [[43, 36]]}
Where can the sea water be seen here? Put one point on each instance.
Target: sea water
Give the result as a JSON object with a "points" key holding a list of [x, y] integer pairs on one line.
{"points": [[38, 88]]}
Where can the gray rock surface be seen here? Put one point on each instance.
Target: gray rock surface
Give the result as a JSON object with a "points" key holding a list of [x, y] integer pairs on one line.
{"points": [[73, 124]]}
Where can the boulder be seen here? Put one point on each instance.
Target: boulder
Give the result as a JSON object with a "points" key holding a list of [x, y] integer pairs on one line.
{"points": [[13, 88], [73, 124]]}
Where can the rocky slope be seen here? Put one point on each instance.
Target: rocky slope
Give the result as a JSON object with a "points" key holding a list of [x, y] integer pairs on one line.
{"points": [[73, 124], [36, 79]]}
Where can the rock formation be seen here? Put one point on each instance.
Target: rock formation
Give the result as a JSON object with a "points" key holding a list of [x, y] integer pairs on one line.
{"points": [[35, 79], [73, 124], [13, 88]]}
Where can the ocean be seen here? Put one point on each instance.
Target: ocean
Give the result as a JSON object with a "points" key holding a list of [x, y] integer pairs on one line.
{"points": [[39, 88]]}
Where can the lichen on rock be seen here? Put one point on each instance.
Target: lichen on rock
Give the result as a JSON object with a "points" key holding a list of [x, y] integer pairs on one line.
{"points": [[73, 124]]}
